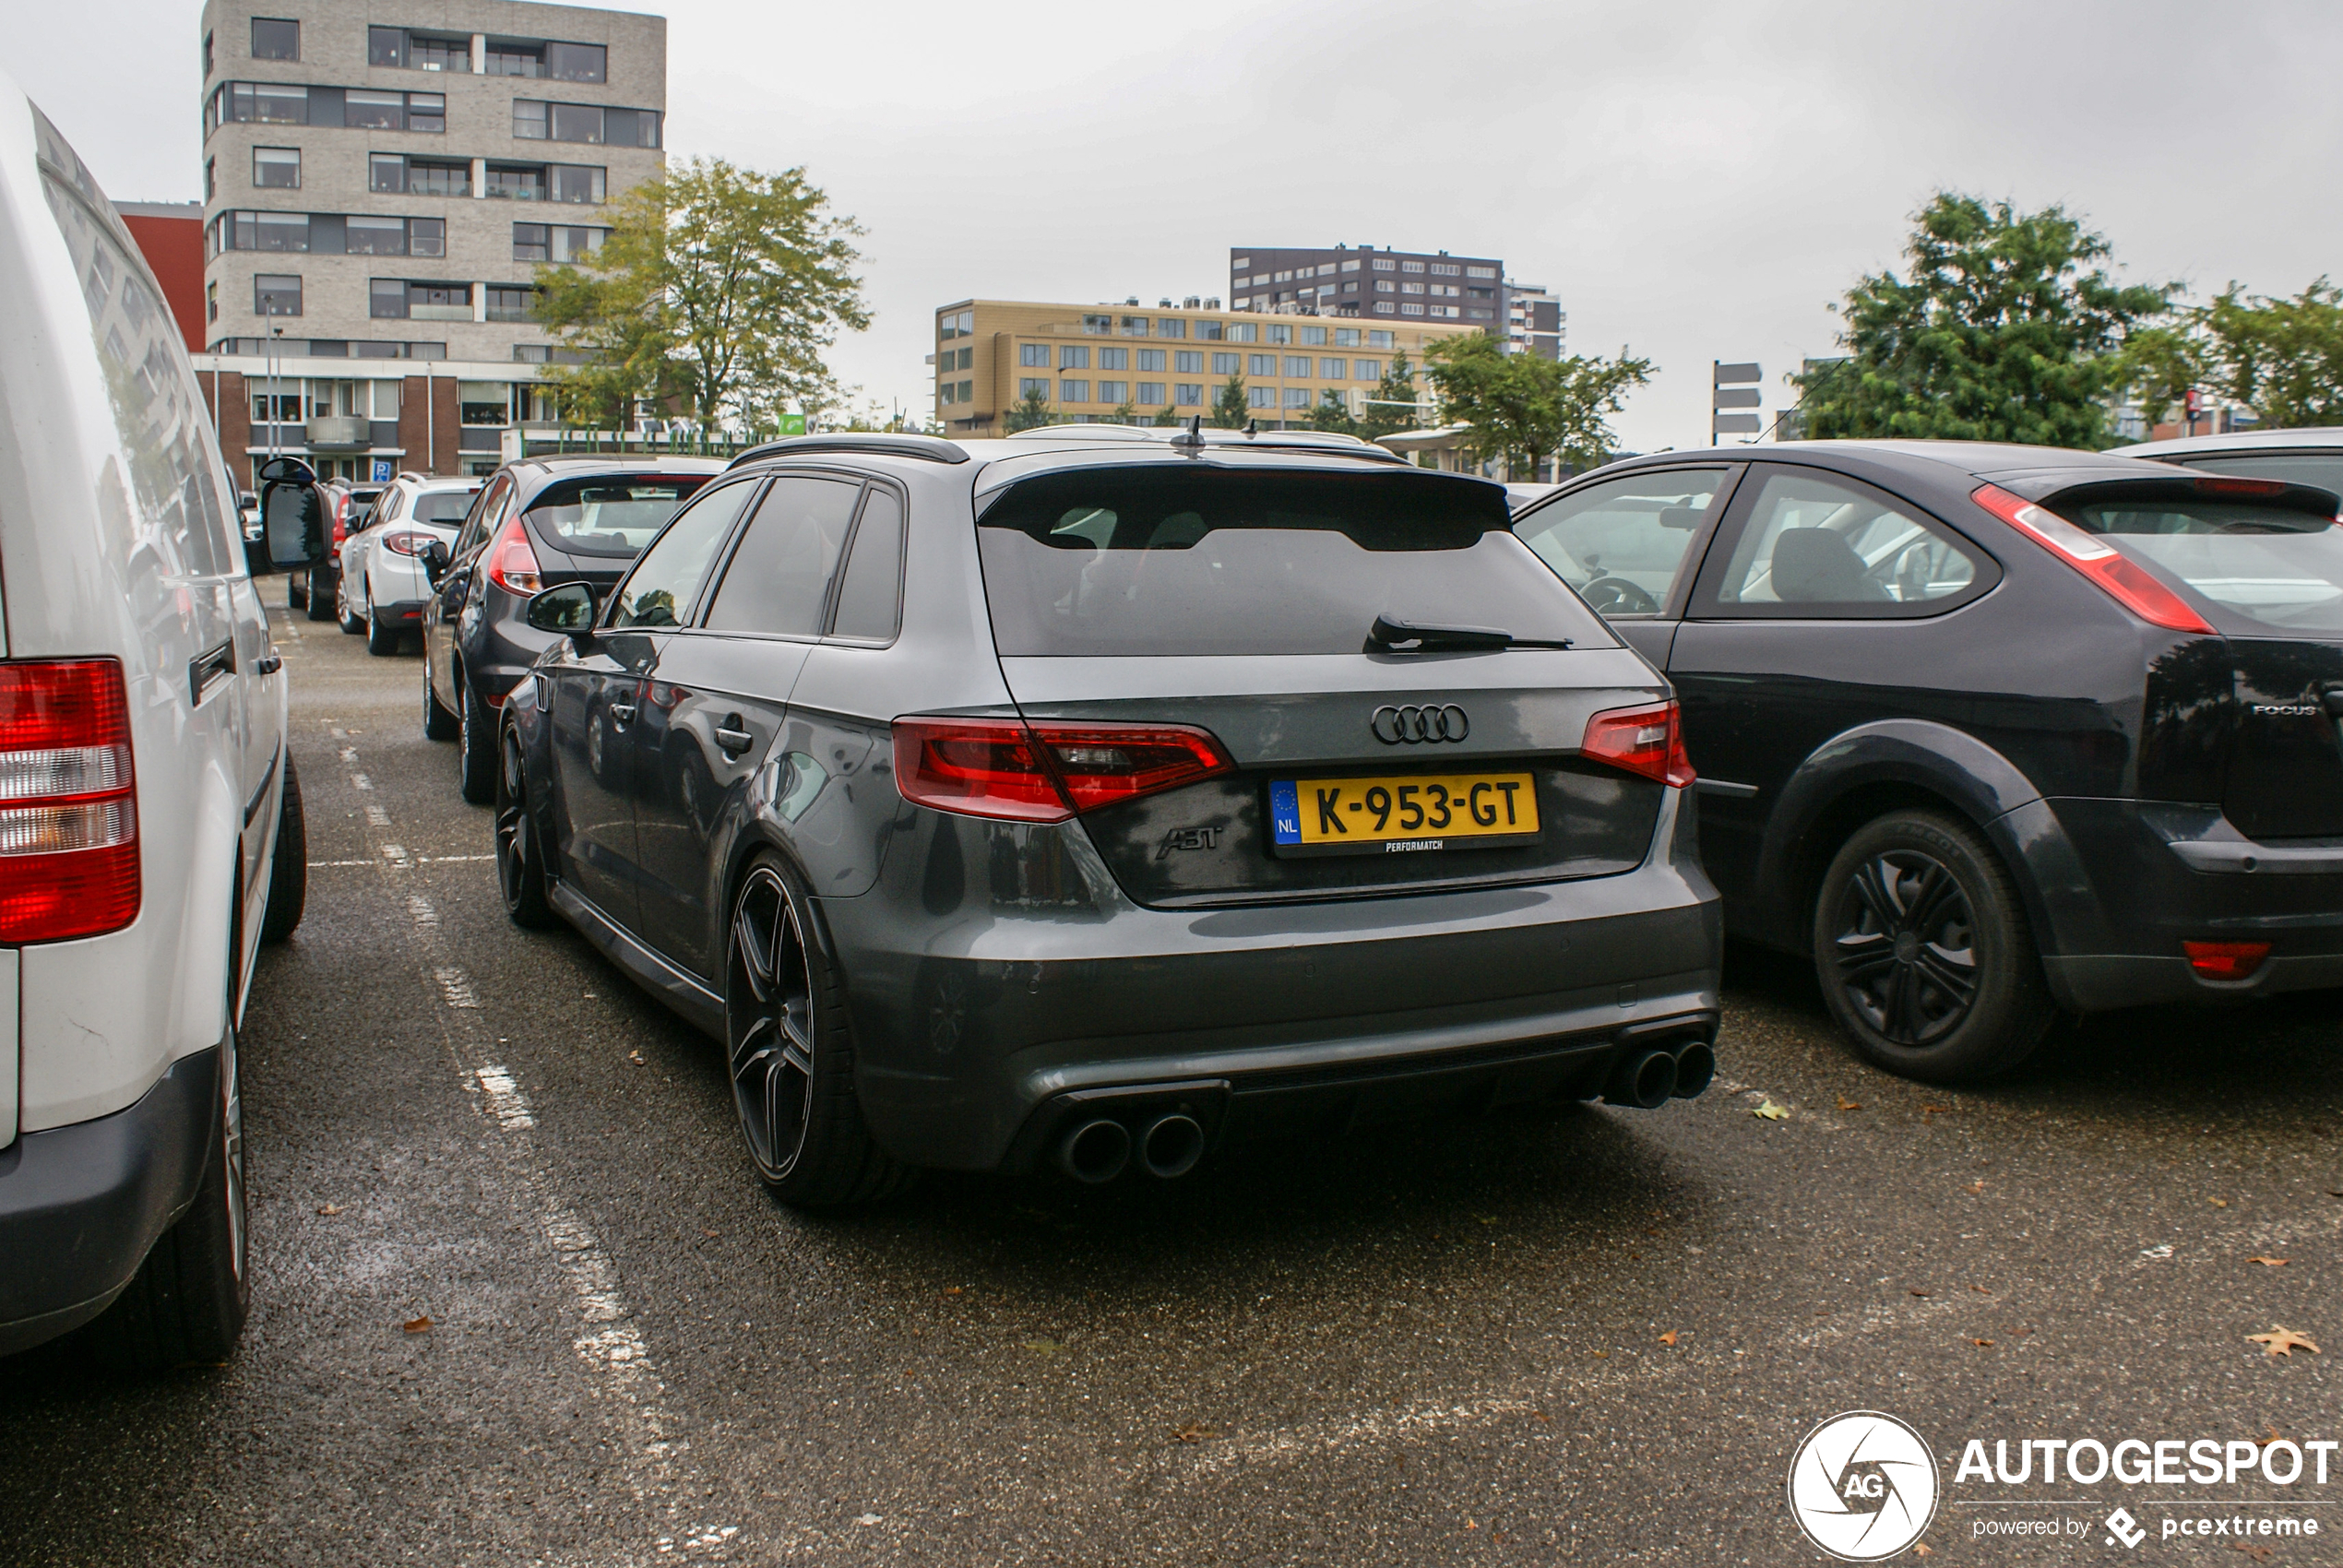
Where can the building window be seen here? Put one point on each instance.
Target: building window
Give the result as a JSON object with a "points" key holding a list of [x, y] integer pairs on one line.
{"points": [[1380, 340], [576, 62], [511, 302], [1332, 370], [1410, 310], [1313, 336], [1350, 266], [1277, 332], [556, 243], [1073, 356], [1242, 332], [1478, 315], [1351, 288], [1211, 331], [574, 182], [1481, 272], [275, 39], [1411, 266], [1296, 364], [207, 56], [1151, 359], [575, 122], [1261, 396], [374, 236], [267, 231], [1261, 365], [961, 326], [1169, 328], [1098, 326], [277, 168], [1026, 385], [1188, 361], [276, 294], [1297, 396], [426, 236], [1367, 370], [1114, 358], [529, 119], [510, 57], [1134, 326], [1385, 264], [1035, 354], [1073, 391], [1446, 269], [1114, 391], [1241, 263], [1280, 277], [483, 402], [374, 111], [1225, 365], [1383, 307], [426, 177], [1150, 393], [1346, 336], [385, 174], [1188, 394], [514, 181], [400, 48], [210, 290]]}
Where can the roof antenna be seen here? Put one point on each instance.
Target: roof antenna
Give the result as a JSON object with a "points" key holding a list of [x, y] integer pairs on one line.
{"points": [[1252, 429], [1191, 438]]}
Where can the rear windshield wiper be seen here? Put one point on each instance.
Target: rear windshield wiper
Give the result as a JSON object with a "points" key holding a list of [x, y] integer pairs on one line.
{"points": [[1387, 635]]}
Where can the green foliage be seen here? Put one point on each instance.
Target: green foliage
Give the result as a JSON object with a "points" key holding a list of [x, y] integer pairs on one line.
{"points": [[1525, 407], [1028, 412], [2006, 330], [1229, 411], [1333, 415], [1126, 412], [1166, 415], [2159, 366], [2281, 358], [718, 291], [1398, 386]]}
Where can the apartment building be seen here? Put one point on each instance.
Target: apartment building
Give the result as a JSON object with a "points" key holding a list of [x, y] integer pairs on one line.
{"points": [[1360, 280], [1087, 362], [381, 180], [1536, 322]]}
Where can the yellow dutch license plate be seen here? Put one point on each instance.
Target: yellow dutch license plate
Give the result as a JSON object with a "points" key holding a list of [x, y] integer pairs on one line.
{"points": [[1403, 815]]}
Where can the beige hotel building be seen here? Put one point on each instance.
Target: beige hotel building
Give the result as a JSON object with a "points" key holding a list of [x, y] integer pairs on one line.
{"points": [[1088, 361]]}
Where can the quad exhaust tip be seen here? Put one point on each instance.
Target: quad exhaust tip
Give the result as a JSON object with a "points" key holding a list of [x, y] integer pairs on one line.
{"points": [[1645, 1080], [1695, 1070], [1099, 1150], [1171, 1146], [1096, 1151]]}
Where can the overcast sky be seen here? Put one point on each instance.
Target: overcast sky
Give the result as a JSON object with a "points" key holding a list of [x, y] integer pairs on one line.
{"points": [[1695, 182]]}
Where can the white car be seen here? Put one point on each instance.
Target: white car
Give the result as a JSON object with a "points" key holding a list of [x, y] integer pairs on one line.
{"points": [[151, 831], [383, 583]]}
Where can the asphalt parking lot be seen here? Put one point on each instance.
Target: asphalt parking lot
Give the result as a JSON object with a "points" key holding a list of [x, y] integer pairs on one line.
{"points": [[520, 1300]]}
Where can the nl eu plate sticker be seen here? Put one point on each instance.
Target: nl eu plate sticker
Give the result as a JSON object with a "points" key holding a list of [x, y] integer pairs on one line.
{"points": [[1285, 812]]}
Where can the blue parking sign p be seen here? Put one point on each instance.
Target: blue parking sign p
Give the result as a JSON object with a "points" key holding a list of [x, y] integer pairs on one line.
{"points": [[382, 471]]}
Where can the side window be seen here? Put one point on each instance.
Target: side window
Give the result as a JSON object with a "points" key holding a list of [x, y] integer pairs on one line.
{"points": [[1622, 543], [868, 605], [778, 582], [663, 588], [1816, 546], [393, 502], [476, 520]]}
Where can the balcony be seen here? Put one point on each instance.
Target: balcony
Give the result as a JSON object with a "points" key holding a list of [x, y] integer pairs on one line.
{"points": [[347, 431], [439, 312]]}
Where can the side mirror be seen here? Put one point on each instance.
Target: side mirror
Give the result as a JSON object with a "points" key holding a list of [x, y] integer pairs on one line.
{"points": [[436, 560], [568, 610], [293, 519]]}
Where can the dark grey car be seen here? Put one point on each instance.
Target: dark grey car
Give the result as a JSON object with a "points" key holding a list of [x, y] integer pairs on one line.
{"points": [[1090, 797]]}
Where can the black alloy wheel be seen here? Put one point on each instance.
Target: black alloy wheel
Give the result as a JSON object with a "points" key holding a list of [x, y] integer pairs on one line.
{"points": [[351, 621], [317, 599], [787, 1043], [475, 746], [1923, 952], [520, 866], [438, 724]]}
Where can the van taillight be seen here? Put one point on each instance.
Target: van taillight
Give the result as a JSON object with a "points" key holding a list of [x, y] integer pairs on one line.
{"points": [[1045, 772], [1650, 741], [512, 564], [2130, 584], [68, 801]]}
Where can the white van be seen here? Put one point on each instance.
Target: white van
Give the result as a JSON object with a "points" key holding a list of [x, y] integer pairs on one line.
{"points": [[149, 820]]}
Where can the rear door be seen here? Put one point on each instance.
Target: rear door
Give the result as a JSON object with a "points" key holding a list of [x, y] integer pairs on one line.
{"points": [[1239, 599], [1630, 545]]}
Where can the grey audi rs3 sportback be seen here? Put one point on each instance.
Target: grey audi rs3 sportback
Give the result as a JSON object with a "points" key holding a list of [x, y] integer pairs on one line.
{"points": [[1094, 796]]}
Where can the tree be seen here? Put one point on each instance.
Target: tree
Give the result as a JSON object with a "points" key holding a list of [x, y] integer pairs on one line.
{"points": [[1229, 411], [1028, 412], [2006, 330], [1384, 413], [1525, 407], [1332, 414], [1166, 415], [717, 289], [2281, 358], [1126, 412]]}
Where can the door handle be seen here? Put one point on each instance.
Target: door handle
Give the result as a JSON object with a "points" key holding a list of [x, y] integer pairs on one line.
{"points": [[732, 739], [267, 664], [622, 714]]}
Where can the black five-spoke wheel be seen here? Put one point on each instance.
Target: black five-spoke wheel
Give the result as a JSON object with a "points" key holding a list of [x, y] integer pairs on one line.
{"points": [[1923, 950], [770, 1024], [521, 867]]}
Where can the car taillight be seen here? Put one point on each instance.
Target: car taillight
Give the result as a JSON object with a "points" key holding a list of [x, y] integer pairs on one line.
{"points": [[2130, 584], [2225, 960], [407, 543], [1649, 741], [512, 564], [68, 801], [1045, 772]]}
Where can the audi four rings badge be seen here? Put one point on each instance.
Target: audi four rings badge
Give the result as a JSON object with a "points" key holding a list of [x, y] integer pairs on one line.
{"points": [[1414, 726]]}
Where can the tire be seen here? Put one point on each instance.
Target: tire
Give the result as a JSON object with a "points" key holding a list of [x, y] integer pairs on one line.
{"points": [[1924, 953], [382, 640], [296, 587], [188, 1301], [316, 602], [289, 876], [438, 724], [789, 1049], [476, 746], [520, 859], [351, 621]]}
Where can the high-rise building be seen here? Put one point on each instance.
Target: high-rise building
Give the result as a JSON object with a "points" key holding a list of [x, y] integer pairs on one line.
{"points": [[1536, 322], [1086, 362], [1360, 280], [379, 186]]}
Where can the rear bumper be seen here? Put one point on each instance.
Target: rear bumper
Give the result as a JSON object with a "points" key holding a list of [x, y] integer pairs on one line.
{"points": [[974, 1018], [81, 1204], [399, 612], [2160, 875]]}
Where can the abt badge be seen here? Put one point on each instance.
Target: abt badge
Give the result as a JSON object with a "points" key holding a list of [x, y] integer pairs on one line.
{"points": [[1862, 1486], [1190, 838]]}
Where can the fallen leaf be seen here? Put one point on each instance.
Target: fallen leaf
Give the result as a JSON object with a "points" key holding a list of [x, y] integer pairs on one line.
{"points": [[866, 1520], [951, 1290], [1980, 1290], [2268, 1263], [1921, 1294], [1771, 1113], [637, 1058], [1669, 1337], [1601, 1355], [1471, 1525], [417, 1325], [2258, 1553], [1982, 1344], [2219, 1203], [1923, 1550], [1539, 1416], [2266, 1442], [2021, 1330], [1192, 1432], [711, 1235], [1042, 1347], [2282, 1342], [1846, 1104], [1935, 1110], [1977, 1186], [330, 1210]]}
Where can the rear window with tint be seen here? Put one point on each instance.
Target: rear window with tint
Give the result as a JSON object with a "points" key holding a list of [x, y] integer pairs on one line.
{"points": [[613, 514], [445, 508], [2273, 567], [1190, 559], [2324, 469]]}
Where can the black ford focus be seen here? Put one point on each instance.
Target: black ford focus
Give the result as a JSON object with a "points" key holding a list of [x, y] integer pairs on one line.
{"points": [[1091, 796], [1991, 731]]}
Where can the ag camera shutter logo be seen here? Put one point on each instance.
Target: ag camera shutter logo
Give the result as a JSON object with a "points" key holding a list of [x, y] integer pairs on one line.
{"points": [[1863, 1486]]}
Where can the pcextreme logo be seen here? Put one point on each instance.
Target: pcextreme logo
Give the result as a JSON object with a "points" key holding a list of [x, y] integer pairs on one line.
{"points": [[1862, 1486]]}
